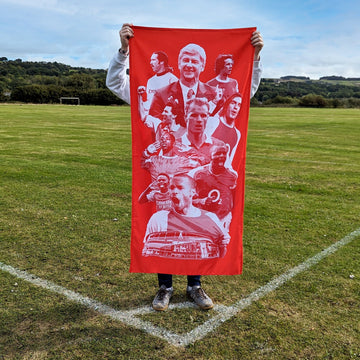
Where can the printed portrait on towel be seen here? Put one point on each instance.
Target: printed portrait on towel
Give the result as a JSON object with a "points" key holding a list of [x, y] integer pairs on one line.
{"points": [[190, 97]]}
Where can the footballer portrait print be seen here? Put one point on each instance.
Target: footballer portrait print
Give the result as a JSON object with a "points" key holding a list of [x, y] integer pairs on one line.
{"points": [[190, 92]]}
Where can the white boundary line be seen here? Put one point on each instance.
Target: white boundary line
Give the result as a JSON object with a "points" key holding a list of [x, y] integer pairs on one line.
{"points": [[223, 313]]}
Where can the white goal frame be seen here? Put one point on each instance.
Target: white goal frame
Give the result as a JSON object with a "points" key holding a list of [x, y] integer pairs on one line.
{"points": [[69, 98]]}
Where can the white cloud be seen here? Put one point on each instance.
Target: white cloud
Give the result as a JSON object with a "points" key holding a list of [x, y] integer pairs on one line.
{"points": [[54, 6], [313, 38]]}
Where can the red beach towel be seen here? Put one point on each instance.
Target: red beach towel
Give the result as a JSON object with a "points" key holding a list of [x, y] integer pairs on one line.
{"points": [[188, 148]]}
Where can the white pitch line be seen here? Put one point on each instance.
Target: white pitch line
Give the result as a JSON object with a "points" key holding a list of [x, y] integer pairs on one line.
{"points": [[210, 325], [224, 313], [124, 316]]}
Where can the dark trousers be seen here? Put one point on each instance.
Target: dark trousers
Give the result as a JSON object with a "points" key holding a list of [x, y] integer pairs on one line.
{"points": [[166, 279]]}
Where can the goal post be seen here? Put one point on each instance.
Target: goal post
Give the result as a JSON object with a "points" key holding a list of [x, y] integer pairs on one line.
{"points": [[71, 100]]}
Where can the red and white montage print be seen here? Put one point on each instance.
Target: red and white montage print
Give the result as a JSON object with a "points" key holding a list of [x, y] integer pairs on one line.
{"points": [[190, 97]]}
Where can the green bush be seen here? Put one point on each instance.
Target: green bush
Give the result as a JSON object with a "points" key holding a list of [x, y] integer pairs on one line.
{"points": [[312, 100], [279, 100]]}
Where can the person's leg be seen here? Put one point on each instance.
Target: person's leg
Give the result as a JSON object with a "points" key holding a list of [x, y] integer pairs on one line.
{"points": [[165, 279], [194, 280], [195, 292], [163, 296]]}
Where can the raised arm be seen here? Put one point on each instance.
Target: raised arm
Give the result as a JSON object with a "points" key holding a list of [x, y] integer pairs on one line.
{"points": [[258, 43], [117, 79]]}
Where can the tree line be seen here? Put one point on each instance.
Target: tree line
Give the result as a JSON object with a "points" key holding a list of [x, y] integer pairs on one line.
{"points": [[291, 91], [46, 82]]}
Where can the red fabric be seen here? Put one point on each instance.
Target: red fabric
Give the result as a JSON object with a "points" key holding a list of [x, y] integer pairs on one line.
{"points": [[164, 240]]}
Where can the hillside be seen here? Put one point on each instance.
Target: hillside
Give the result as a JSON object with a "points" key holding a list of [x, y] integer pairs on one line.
{"points": [[297, 90], [46, 82]]}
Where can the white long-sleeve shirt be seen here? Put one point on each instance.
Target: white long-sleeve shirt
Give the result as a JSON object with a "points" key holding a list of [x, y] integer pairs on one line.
{"points": [[117, 79]]}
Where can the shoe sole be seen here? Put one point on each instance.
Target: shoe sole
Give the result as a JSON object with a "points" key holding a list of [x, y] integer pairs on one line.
{"points": [[205, 307], [161, 309]]}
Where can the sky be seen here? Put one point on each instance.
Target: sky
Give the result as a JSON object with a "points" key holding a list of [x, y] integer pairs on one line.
{"points": [[312, 38]]}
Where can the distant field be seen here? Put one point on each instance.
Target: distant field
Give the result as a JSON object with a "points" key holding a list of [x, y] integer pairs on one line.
{"points": [[343, 82], [65, 216]]}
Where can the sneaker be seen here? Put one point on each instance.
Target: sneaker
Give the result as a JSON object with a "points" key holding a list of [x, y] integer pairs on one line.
{"points": [[198, 295], [162, 298]]}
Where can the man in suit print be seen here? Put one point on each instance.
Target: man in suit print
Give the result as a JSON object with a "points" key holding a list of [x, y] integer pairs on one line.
{"points": [[191, 63]]}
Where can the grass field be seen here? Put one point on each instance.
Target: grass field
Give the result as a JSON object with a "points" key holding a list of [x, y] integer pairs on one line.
{"points": [[65, 212]]}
